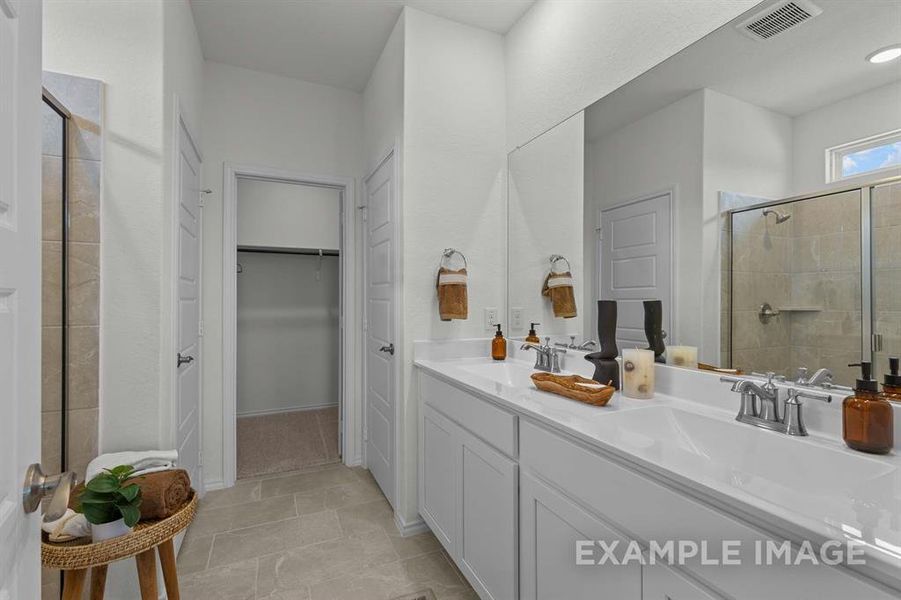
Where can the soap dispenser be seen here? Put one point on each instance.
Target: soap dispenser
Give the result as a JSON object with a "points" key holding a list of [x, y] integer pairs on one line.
{"points": [[867, 421], [533, 335], [499, 345], [891, 383]]}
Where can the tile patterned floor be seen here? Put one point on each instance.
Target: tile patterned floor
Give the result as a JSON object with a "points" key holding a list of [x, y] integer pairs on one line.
{"points": [[324, 533], [286, 442]]}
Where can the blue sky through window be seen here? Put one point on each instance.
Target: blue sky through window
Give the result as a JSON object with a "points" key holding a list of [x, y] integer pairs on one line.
{"points": [[871, 159]]}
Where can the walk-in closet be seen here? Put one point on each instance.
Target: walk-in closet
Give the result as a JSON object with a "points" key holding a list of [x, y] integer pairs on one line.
{"points": [[288, 298]]}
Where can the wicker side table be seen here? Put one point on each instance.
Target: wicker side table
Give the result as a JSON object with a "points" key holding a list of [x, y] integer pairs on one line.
{"points": [[77, 556]]}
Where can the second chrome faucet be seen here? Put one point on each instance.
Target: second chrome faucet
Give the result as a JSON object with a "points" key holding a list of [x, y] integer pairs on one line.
{"points": [[547, 358], [760, 404]]}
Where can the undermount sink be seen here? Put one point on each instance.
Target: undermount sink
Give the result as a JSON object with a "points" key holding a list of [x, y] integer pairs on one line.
{"points": [[745, 456], [506, 373]]}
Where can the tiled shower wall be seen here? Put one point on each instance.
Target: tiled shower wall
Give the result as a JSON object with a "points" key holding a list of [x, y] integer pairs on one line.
{"points": [[83, 98], [808, 267]]}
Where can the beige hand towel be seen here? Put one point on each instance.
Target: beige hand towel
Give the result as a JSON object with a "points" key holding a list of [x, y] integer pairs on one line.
{"points": [[559, 288], [453, 300]]}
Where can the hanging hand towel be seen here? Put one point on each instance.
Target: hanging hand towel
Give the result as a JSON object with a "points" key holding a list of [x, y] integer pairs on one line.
{"points": [[453, 299], [559, 288]]}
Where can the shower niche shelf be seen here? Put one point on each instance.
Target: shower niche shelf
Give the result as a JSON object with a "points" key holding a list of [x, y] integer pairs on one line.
{"points": [[767, 312]]}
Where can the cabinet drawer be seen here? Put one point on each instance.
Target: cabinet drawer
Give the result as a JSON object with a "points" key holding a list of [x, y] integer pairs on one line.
{"points": [[647, 510], [492, 424]]}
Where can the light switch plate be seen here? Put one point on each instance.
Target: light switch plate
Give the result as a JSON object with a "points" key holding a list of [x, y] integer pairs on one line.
{"points": [[516, 319], [490, 318]]}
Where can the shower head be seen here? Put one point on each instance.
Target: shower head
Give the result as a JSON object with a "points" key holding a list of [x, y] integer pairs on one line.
{"points": [[780, 217]]}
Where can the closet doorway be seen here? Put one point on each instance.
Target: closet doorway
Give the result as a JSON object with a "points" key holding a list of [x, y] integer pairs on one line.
{"points": [[287, 323]]}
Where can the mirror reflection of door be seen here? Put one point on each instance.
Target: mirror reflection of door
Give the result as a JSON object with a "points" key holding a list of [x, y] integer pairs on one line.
{"points": [[635, 259]]}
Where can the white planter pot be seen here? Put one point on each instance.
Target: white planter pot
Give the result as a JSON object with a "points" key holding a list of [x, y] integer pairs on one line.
{"points": [[108, 531]]}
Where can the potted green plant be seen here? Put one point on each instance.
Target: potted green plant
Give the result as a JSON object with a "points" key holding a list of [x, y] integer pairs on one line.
{"points": [[111, 507]]}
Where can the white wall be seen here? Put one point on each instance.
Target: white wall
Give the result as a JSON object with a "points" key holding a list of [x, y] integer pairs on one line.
{"points": [[453, 191], [748, 150], [383, 102], [259, 119], [545, 216], [287, 333], [660, 152], [562, 56], [866, 114], [284, 215]]}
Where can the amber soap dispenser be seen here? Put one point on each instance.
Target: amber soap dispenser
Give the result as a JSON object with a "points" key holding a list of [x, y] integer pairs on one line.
{"points": [[499, 345], [533, 335], [867, 421]]}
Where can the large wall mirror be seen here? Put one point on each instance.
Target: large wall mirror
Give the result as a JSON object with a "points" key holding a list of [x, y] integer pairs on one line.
{"points": [[751, 183]]}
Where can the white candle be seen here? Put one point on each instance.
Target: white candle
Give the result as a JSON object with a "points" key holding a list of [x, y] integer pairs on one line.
{"points": [[638, 373], [682, 356]]}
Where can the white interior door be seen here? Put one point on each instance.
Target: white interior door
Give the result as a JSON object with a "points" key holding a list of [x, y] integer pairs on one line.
{"points": [[187, 359], [636, 264], [380, 384], [20, 292]]}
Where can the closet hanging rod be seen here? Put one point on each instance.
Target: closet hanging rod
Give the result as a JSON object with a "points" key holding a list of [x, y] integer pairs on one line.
{"points": [[301, 251]]}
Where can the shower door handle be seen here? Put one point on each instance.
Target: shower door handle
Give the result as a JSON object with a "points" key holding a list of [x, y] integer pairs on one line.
{"points": [[184, 360]]}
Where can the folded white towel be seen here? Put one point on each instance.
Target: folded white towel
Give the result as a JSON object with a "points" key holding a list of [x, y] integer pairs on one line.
{"points": [[68, 527], [145, 462]]}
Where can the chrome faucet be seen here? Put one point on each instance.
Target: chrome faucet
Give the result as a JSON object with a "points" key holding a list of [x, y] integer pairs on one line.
{"points": [[766, 414], [547, 358], [820, 377], [587, 344]]}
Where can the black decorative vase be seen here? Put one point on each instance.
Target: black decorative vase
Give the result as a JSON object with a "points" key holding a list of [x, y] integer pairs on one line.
{"points": [[653, 328], [606, 369]]}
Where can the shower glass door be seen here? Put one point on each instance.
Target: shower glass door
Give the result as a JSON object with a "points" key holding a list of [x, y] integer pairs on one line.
{"points": [[796, 286], [886, 248]]}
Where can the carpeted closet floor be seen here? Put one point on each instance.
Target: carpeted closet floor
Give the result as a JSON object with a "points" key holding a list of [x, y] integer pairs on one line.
{"points": [[289, 441]]}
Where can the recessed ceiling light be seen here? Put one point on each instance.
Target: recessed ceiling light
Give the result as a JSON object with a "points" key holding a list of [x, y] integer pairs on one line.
{"points": [[886, 54]]}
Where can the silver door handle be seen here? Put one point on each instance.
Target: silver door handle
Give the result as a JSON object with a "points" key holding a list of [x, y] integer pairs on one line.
{"points": [[38, 486], [389, 349], [184, 360]]}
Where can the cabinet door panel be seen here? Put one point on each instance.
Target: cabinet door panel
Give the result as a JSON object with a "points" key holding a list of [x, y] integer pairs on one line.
{"points": [[488, 519], [439, 475], [662, 583], [550, 526]]}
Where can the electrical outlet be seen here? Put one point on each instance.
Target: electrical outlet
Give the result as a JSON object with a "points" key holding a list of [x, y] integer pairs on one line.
{"points": [[516, 319], [490, 318]]}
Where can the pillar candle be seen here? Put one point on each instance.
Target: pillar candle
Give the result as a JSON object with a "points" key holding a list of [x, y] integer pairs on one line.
{"points": [[638, 373], [682, 356]]}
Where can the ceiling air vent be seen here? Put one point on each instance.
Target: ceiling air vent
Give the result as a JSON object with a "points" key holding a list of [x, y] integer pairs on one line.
{"points": [[778, 18]]}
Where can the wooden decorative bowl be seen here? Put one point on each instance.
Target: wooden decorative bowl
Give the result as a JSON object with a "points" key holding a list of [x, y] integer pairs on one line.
{"points": [[574, 387]]}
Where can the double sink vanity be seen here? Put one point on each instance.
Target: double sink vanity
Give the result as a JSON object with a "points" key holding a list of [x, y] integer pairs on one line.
{"points": [[529, 491]]}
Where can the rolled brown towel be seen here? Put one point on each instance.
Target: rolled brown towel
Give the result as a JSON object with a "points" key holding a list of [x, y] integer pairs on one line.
{"points": [[453, 300], [559, 288], [163, 493]]}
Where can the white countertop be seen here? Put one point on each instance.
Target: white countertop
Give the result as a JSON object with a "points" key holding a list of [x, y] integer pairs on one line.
{"points": [[868, 512]]}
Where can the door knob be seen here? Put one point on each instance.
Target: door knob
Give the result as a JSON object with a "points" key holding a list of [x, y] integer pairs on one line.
{"points": [[388, 349], [38, 486], [184, 360]]}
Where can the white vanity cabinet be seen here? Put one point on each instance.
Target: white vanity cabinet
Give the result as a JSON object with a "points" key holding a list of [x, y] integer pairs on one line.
{"points": [[468, 491], [509, 496]]}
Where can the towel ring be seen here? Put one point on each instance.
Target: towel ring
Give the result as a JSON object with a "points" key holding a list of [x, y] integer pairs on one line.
{"points": [[448, 253], [555, 258]]}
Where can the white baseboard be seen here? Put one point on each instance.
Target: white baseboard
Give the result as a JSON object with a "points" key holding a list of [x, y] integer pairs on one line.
{"points": [[209, 486], [354, 461], [412, 528], [290, 409]]}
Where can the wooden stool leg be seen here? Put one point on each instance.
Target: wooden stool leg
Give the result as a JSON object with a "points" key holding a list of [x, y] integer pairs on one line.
{"points": [[147, 574], [98, 582], [170, 572], [73, 582]]}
